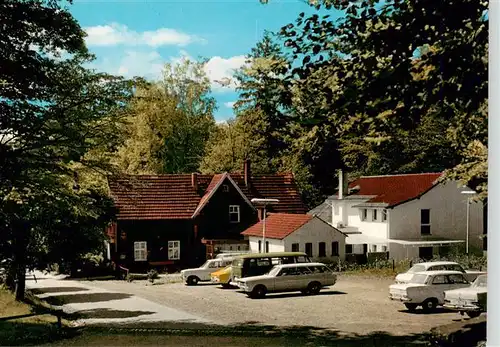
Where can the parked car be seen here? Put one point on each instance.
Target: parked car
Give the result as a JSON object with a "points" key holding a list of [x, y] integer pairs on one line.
{"points": [[193, 276], [427, 289], [308, 278], [222, 277], [254, 265], [471, 300], [405, 277]]}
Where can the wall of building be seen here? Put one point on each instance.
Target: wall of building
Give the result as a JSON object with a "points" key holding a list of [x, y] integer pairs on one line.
{"points": [[448, 217], [316, 231], [274, 245]]}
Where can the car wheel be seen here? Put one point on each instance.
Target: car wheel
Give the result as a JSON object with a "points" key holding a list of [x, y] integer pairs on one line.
{"points": [[429, 305], [473, 314], [411, 307], [314, 288], [192, 280], [258, 292]]}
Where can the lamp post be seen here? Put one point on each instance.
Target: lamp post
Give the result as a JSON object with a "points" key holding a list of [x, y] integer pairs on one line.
{"points": [[469, 193], [264, 203]]}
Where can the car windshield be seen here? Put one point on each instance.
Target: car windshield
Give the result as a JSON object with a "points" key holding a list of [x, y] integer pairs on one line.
{"points": [[418, 279], [416, 268], [274, 271], [206, 264], [481, 281]]}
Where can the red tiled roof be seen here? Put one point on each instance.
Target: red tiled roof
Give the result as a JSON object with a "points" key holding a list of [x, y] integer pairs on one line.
{"points": [[154, 197], [279, 225], [394, 189], [173, 197]]}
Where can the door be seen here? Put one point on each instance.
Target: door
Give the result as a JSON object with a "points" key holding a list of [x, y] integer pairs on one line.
{"points": [[289, 279], [425, 253], [439, 285]]}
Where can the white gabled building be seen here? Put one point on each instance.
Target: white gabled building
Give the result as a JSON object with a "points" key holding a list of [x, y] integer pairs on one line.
{"points": [[408, 215], [286, 232]]}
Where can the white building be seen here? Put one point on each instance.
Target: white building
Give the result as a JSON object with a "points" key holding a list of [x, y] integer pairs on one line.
{"points": [[297, 233], [409, 216]]}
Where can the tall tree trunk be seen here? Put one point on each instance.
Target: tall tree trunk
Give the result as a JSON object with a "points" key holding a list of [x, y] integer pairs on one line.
{"points": [[19, 261]]}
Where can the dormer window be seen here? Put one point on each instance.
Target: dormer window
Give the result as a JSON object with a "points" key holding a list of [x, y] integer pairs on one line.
{"points": [[225, 188]]}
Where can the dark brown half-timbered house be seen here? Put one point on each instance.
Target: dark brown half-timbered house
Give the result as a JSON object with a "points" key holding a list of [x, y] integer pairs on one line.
{"points": [[179, 220]]}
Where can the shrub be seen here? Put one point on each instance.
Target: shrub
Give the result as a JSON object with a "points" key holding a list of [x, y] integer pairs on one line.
{"points": [[152, 275]]}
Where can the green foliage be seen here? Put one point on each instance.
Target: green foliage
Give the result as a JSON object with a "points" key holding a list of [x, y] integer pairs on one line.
{"points": [[402, 87], [170, 122], [57, 118]]}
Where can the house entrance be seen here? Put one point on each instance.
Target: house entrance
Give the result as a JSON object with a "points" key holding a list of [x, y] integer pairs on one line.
{"points": [[425, 253]]}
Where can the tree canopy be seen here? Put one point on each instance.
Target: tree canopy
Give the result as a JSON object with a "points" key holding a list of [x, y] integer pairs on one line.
{"points": [[57, 119]]}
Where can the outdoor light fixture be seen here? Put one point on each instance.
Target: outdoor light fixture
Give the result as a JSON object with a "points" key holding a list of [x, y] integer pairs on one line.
{"points": [[264, 203], [469, 193]]}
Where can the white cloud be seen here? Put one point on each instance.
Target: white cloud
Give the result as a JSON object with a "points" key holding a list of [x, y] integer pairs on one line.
{"points": [[221, 70], [229, 104], [118, 34], [148, 64]]}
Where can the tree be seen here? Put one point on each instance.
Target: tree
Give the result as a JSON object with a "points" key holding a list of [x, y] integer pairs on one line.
{"points": [[387, 73], [169, 122], [55, 115]]}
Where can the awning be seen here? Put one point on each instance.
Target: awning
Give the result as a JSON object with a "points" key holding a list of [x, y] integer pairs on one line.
{"points": [[425, 243], [359, 239]]}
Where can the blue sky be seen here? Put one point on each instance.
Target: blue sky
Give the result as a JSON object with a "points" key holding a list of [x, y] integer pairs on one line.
{"points": [[135, 38]]}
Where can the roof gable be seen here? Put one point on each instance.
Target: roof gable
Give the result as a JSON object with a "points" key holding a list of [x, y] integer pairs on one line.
{"points": [[394, 189], [214, 185]]}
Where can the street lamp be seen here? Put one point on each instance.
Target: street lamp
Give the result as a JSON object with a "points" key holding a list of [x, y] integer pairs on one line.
{"points": [[469, 193], [264, 203]]}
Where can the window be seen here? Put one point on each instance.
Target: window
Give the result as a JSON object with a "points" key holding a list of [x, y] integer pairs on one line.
{"points": [[234, 213], [364, 213], [295, 247], [140, 251], [267, 246], [309, 249], [336, 210], [174, 250], [260, 246], [425, 222], [455, 267], [384, 215], [335, 248], [348, 249], [322, 249], [457, 279], [214, 265], [384, 248], [264, 262], [225, 188], [373, 248], [374, 214], [440, 279], [318, 269]]}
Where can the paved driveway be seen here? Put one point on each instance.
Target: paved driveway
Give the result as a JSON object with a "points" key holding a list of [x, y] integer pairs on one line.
{"points": [[90, 304], [353, 305]]}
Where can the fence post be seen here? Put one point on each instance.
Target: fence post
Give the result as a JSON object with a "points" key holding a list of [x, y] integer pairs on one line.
{"points": [[393, 265]]}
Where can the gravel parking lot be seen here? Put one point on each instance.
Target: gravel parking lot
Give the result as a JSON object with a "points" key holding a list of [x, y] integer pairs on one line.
{"points": [[353, 305]]}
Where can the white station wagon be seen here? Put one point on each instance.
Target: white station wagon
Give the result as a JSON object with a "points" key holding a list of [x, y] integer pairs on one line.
{"points": [[193, 276], [427, 289], [405, 277], [308, 278]]}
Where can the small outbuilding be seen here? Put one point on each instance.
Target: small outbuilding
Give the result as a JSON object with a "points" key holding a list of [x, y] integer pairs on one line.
{"points": [[297, 233]]}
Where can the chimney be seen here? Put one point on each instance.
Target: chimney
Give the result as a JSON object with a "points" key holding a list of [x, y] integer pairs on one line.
{"points": [[246, 172], [194, 181], [343, 184]]}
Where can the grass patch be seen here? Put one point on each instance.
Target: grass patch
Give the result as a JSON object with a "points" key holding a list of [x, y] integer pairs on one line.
{"points": [[32, 330]]}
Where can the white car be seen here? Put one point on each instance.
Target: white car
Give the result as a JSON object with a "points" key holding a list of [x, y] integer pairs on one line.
{"points": [[471, 300], [308, 278], [427, 289], [193, 276], [436, 266]]}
